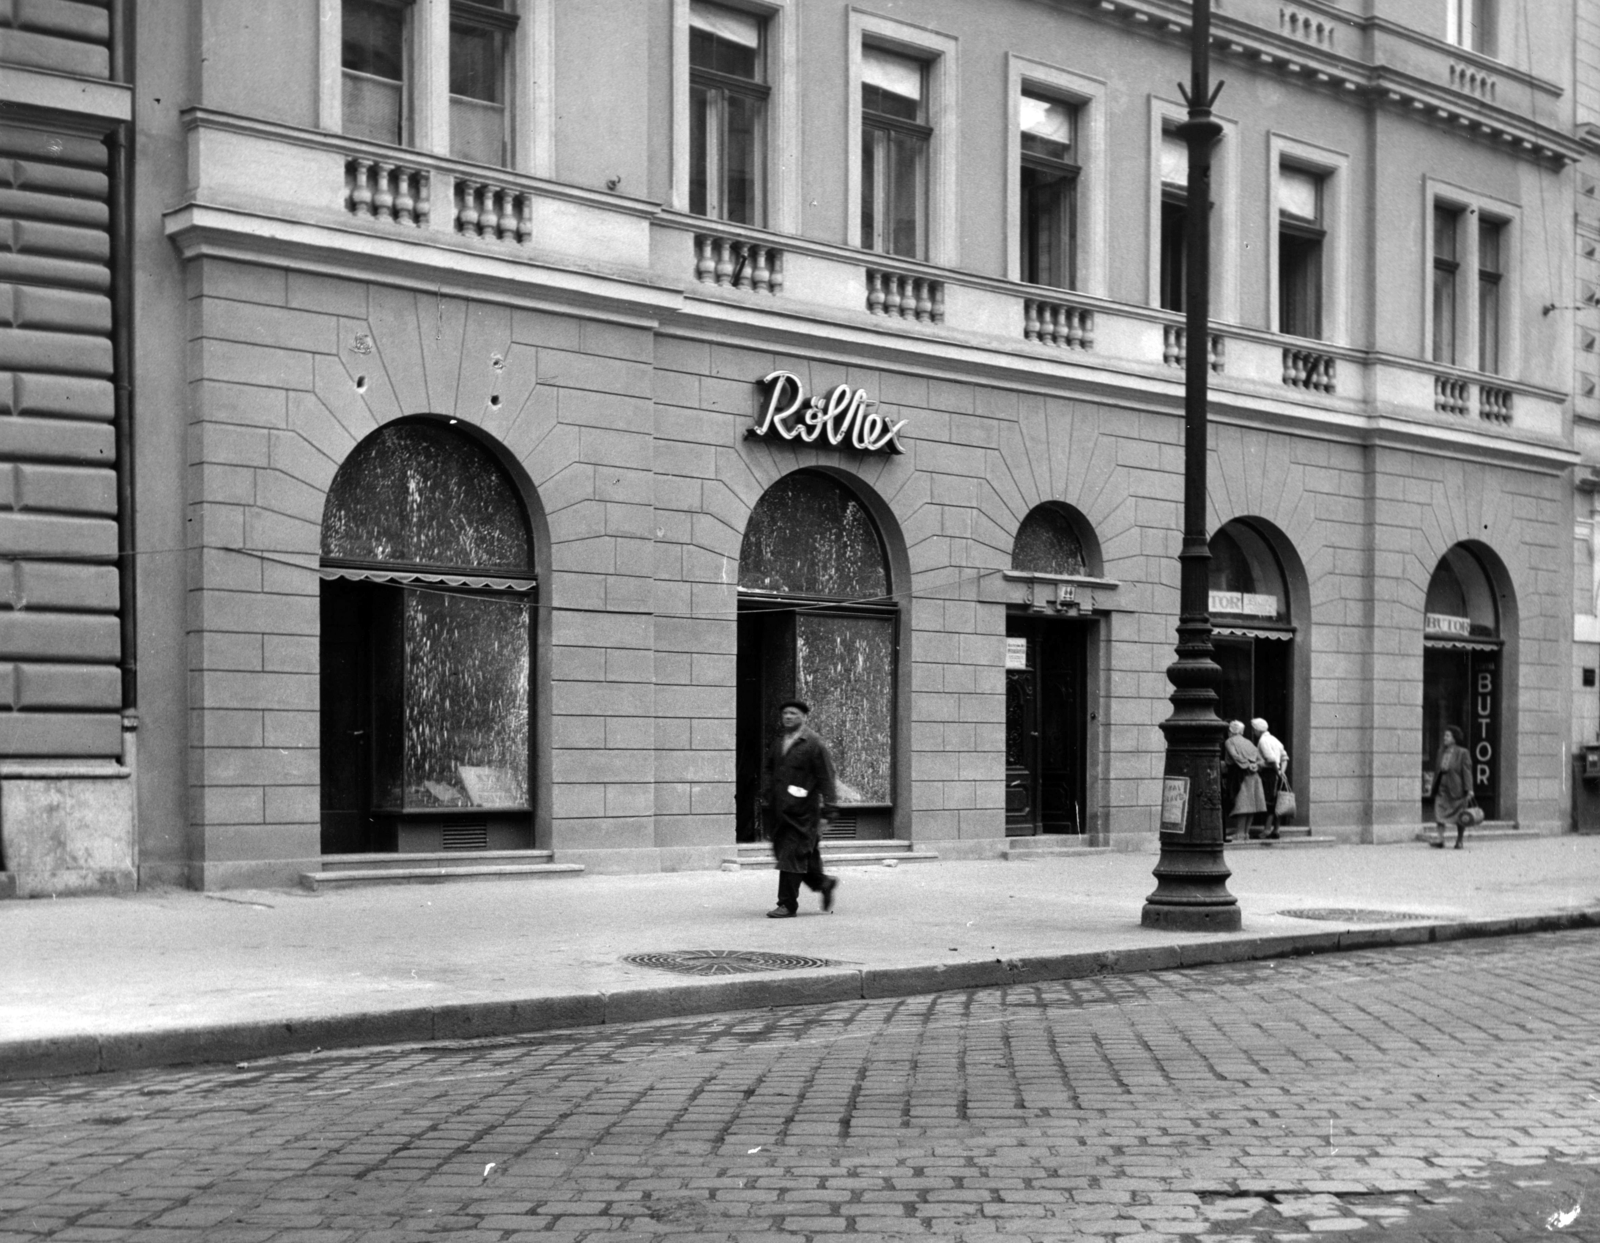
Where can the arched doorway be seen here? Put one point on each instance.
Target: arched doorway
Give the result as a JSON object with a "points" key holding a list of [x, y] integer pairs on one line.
{"points": [[817, 621], [1255, 636], [1464, 673], [428, 597], [1047, 685]]}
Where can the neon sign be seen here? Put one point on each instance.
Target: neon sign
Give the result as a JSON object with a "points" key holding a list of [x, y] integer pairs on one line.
{"points": [[844, 417]]}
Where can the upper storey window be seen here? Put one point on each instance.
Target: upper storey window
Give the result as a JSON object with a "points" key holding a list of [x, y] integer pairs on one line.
{"points": [[895, 137], [442, 86], [728, 95], [1472, 24], [1174, 256], [479, 39], [374, 40], [1049, 191], [1300, 240]]}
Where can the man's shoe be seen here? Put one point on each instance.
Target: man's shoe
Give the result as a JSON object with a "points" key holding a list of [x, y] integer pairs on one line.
{"points": [[780, 912], [828, 886]]}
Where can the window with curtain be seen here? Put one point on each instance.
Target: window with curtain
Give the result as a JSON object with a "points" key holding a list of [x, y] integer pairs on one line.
{"points": [[1050, 165], [1491, 236], [374, 37], [1174, 254], [480, 40], [1300, 243], [895, 139], [1446, 280], [728, 95]]}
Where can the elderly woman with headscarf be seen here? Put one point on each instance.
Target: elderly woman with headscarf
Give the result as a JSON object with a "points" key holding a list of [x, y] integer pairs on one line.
{"points": [[1452, 787], [1274, 771], [1244, 764]]}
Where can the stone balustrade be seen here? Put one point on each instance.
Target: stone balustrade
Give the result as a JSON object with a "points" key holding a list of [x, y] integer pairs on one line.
{"points": [[1308, 369], [1058, 323], [1450, 395], [1494, 404], [908, 297], [1175, 348], [385, 190], [494, 212], [737, 264]]}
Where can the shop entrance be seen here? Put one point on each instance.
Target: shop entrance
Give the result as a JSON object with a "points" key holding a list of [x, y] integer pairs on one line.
{"points": [[1046, 725], [1256, 676], [817, 623]]}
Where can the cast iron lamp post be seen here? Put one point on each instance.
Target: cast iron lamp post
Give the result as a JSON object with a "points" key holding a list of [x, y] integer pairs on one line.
{"points": [[1191, 876]]}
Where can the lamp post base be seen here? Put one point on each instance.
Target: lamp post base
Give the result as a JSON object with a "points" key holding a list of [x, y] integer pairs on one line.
{"points": [[1175, 918]]}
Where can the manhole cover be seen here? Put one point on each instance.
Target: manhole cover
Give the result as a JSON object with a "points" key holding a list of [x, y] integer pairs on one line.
{"points": [[723, 962], [1354, 915]]}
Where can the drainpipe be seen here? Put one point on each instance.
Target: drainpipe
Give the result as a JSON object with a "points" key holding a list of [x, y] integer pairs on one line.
{"points": [[121, 161]]}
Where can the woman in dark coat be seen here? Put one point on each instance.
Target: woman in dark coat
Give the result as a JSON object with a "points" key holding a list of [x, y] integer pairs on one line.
{"points": [[1452, 787], [798, 789]]}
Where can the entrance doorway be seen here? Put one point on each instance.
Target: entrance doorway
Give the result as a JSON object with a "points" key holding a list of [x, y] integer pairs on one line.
{"points": [[1046, 725], [817, 622]]}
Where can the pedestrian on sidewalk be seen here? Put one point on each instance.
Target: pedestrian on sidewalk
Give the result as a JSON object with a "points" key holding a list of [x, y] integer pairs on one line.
{"points": [[1452, 787], [1244, 763], [1274, 772], [798, 789]]}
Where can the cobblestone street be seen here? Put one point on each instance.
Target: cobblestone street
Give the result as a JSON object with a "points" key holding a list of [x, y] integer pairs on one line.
{"points": [[1442, 1093]]}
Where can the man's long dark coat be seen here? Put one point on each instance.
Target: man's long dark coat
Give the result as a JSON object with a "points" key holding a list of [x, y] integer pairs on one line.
{"points": [[795, 821]]}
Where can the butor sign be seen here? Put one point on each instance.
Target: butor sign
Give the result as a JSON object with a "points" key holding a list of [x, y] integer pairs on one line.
{"points": [[843, 418]]}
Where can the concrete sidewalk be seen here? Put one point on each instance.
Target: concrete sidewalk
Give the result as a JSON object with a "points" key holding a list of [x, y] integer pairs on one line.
{"points": [[172, 976]]}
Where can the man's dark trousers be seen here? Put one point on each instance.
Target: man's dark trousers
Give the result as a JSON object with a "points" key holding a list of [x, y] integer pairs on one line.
{"points": [[789, 882]]}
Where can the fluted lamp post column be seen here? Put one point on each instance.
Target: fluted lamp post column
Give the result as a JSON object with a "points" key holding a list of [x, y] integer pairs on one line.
{"points": [[1191, 891]]}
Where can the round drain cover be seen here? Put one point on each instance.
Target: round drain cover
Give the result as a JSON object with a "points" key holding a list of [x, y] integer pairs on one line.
{"points": [[723, 962], [1355, 915]]}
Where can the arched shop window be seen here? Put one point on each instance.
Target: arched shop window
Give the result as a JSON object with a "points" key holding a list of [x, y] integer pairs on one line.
{"points": [[816, 621], [1463, 672], [1253, 631], [1047, 543], [427, 621]]}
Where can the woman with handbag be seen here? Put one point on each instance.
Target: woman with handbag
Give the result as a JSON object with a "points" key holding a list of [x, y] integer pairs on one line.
{"points": [[1453, 802]]}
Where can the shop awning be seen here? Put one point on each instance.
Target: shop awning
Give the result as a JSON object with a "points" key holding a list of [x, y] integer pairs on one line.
{"points": [[479, 582], [1252, 632], [1462, 645]]}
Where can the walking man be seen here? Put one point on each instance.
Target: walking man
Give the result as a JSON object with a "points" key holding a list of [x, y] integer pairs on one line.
{"points": [[797, 787]]}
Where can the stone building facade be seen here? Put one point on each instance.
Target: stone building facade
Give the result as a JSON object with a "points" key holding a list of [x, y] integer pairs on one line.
{"points": [[504, 523]]}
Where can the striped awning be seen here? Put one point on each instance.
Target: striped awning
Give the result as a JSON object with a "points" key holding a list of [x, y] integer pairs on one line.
{"points": [[1252, 632], [478, 582], [1455, 643]]}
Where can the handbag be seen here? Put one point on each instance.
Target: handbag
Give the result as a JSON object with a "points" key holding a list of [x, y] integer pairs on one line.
{"points": [[1471, 815], [1284, 807]]}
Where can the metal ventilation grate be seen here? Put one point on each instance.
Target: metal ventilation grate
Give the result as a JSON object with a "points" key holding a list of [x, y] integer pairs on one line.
{"points": [[1356, 915], [724, 962], [466, 835], [843, 826]]}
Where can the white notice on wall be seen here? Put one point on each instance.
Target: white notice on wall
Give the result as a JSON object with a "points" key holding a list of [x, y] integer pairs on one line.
{"points": [[1016, 653]]}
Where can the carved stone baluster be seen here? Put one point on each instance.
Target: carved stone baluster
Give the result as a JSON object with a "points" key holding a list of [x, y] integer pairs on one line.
{"points": [[744, 266], [938, 302], [1030, 319], [703, 265], [508, 215], [874, 292], [891, 294], [361, 188], [1075, 328], [467, 207], [488, 217], [524, 218], [776, 278], [724, 261], [405, 204], [383, 196], [760, 273], [424, 206]]}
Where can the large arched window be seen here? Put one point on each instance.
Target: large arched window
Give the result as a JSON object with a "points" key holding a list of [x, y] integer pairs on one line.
{"points": [[817, 622], [1463, 671], [1254, 635], [427, 611], [1048, 543]]}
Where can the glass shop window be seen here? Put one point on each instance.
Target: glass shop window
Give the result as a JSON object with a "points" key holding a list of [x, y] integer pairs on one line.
{"points": [[374, 39], [428, 605], [895, 139], [727, 114], [1047, 544], [813, 573]]}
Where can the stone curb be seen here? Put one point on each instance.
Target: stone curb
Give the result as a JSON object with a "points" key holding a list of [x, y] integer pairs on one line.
{"points": [[53, 1056]]}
